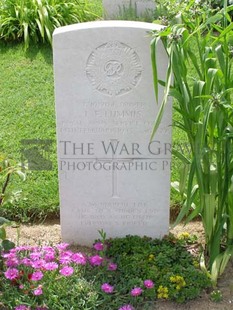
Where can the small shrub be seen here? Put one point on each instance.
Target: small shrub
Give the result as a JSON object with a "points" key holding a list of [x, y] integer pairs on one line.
{"points": [[159, 260], [216, 296], [169, 11], [35, 20], [7, 196]]}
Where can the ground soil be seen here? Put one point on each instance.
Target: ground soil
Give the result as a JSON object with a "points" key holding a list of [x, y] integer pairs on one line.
{"points": [[50, 233]]}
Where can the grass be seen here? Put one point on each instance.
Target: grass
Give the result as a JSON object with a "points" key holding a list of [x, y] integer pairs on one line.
{"points": [[96, 6], [27, 112]]}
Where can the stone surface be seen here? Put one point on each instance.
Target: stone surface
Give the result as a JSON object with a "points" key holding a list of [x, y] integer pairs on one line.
{"points": [[111, 176], [115, 8]]}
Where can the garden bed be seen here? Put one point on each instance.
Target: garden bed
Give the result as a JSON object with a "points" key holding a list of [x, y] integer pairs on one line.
{"points": [[50, 232]]}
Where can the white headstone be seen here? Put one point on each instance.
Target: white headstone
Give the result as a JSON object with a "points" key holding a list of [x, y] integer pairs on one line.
{"points": [[115, 8], [111, 176]]}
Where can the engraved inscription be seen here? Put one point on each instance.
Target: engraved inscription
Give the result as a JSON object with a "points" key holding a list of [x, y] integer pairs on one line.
{"points": [[123, 213], [114, 68]]}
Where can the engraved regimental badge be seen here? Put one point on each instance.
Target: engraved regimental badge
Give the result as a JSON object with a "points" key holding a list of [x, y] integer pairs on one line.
{"points": [[114, 68]]}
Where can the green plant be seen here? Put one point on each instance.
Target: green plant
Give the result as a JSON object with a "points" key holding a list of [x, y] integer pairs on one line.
{"points": [[7, 196], [35, 276], [166, 262], [129, 12], [6, 244], [216, 296], [7, 170], [167, 10], [170, 11], [204, 102], [35, 20]]}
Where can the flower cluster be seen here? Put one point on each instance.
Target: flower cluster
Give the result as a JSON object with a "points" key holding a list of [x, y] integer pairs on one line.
{"points": [[184, 236], [162, 292], [178, 281], [36, 276], [27, 267], [151, 257], [196, 264]]}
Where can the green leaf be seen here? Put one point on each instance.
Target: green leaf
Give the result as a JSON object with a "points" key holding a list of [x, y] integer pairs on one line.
{"points": [[2, 233], [21, 175], [184, 170], [188, 203], [221, 58], [164, 102], [41, 28], [226, 257], [220, 264], [154, 66], [208, 215], [26, 35], [211, 74], [4, 221], [176, 186], [194, 60], [7, 245], [181, 156], [224, 33], [49, 35]]}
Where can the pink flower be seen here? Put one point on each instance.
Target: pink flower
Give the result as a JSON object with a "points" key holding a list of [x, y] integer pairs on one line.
{"points": [[37, 276], [149, 284], [12, 262], [10, 254], [67, 271], [37, 264], [98, 246], [50, 266], [23, 248], [107, 288], [49, 256], [48, 248], [136, 291], [126, 307], [79, 258], [96, 260], [21, 307], [11, 273], [35, 255], [26, 262], [65, 257], [62, 246], [112, 266], [34, 248], [38, 291]]}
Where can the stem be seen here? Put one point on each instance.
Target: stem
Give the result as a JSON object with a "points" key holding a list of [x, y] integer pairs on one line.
{"points": [[5, 185]]}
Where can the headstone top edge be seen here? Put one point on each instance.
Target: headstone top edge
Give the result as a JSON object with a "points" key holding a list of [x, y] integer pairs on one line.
{"points": [[107, 24]]}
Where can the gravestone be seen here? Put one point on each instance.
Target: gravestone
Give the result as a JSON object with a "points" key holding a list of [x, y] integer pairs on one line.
{"points": [[115, 8], [111, 176]]}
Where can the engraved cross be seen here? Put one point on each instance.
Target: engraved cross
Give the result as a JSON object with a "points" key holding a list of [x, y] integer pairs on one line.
{"points": [[114, 171]]}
